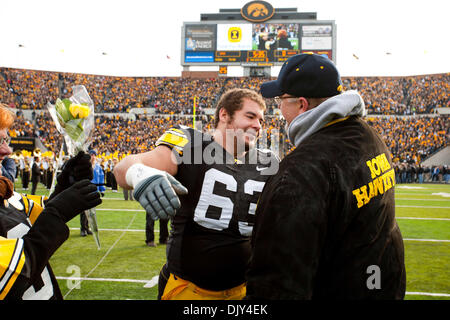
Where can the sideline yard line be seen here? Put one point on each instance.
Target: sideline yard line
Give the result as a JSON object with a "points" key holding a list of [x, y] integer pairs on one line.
{"points": [[148, 283], [428, 294], [417, 218], [425, 240], [102, 279], [425, 207], [130, 210], [415, 199], [130, 230], [397, 193]]}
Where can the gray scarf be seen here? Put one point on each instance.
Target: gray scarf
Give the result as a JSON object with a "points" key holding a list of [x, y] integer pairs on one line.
{"points": [[343, 105]]}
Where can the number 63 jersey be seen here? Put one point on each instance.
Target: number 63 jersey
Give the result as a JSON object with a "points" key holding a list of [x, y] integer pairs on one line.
{"points": [[210, 237]]}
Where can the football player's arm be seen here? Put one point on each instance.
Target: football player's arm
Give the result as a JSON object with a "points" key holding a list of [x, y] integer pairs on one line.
{"points": [[288, 237], [161, 158], [150, 174]]}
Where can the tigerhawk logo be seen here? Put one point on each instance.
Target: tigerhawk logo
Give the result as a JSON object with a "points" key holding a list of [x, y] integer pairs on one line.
{"points": [[257, 11]]}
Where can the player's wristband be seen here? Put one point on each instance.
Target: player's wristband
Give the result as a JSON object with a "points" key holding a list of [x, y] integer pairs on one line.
{"points": [[138, 172]]}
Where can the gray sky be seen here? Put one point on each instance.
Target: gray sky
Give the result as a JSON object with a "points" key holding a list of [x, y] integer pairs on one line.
{"points": [[138, 35]]}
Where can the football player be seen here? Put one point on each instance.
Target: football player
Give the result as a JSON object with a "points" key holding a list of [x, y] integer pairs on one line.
{"points": [[212, 182], [32, 228]]}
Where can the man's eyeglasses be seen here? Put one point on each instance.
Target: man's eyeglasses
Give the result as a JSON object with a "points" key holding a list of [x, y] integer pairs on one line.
{"points": [[6, 139], [279, 100]]}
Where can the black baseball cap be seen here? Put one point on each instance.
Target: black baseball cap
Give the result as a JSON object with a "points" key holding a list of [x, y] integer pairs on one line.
{"points": [[306, 75]]}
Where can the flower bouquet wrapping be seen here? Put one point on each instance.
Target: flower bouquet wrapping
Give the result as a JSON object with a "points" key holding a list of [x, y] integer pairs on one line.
{"points": [[74, 119]]}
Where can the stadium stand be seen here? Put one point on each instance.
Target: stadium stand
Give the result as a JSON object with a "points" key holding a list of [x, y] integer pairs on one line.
{"points": [[402, 109]]}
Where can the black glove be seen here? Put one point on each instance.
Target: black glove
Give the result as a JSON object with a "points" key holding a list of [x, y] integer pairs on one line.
{"points": [[75, 169], [79, 197]]}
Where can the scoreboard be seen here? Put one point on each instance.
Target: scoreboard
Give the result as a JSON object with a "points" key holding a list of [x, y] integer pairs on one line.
{"points": [[245, 43]]}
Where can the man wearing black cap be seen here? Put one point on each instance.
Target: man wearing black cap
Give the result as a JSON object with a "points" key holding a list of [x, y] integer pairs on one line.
{"points": [[325, 223]]}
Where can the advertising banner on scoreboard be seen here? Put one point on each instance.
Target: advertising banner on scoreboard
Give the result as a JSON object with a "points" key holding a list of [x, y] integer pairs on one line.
{"points": [[234, 37], [201, 56], [200, 37], [317, 37]]}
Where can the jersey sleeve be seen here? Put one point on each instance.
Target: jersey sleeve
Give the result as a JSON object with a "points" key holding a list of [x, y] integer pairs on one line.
{"points": [[12, 260], [12, 251], [31, 205], [175, 138]]}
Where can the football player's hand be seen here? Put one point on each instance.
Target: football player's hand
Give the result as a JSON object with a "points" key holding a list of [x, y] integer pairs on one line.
{"points": [[158, 193], [82, 195]]}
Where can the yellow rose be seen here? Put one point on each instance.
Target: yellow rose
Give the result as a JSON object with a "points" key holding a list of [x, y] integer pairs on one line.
{"points": [[79, 111]]}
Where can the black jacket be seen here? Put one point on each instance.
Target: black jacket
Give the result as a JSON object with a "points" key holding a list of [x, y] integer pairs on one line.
{"points": [[35, 173], [29, 235], [325, 223]]}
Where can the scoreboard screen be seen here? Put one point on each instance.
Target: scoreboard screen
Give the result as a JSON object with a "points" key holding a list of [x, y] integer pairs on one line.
{"points": [[243, 43]]}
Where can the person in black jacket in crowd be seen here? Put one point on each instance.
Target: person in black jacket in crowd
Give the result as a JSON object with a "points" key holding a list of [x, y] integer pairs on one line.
{"points": [[325, 223], [35, 175]]}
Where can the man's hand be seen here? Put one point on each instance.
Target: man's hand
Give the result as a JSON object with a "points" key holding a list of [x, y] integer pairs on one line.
{"points": [[156, 190], [79, 197]]}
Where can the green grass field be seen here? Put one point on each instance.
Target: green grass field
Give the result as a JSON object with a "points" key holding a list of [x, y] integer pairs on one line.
{"points": [[125, 268]]}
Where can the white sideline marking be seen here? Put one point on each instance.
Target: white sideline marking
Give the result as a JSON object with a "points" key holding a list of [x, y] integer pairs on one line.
{"points": [[416, 194], [131, 210], [426, 207], [417, 218], [425, 240], [443, 194], [408, 187], [152, 282], [148, 283], [102, 279], [428, 294], [131, 230], [412, 199]]}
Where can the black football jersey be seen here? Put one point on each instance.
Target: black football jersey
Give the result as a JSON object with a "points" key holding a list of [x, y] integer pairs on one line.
{"points": [[16, 218], [210, 239]]}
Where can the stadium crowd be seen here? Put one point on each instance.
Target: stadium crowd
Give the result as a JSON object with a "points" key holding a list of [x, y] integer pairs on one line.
{"points": [[410, 139], [389, 100], [28, 89]]}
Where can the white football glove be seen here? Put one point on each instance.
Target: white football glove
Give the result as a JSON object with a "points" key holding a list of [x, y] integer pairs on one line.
{"points": [[155, 190]]}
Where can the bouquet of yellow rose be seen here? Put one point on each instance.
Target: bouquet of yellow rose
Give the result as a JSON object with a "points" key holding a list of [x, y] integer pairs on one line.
{"points": [[74, 119]]}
